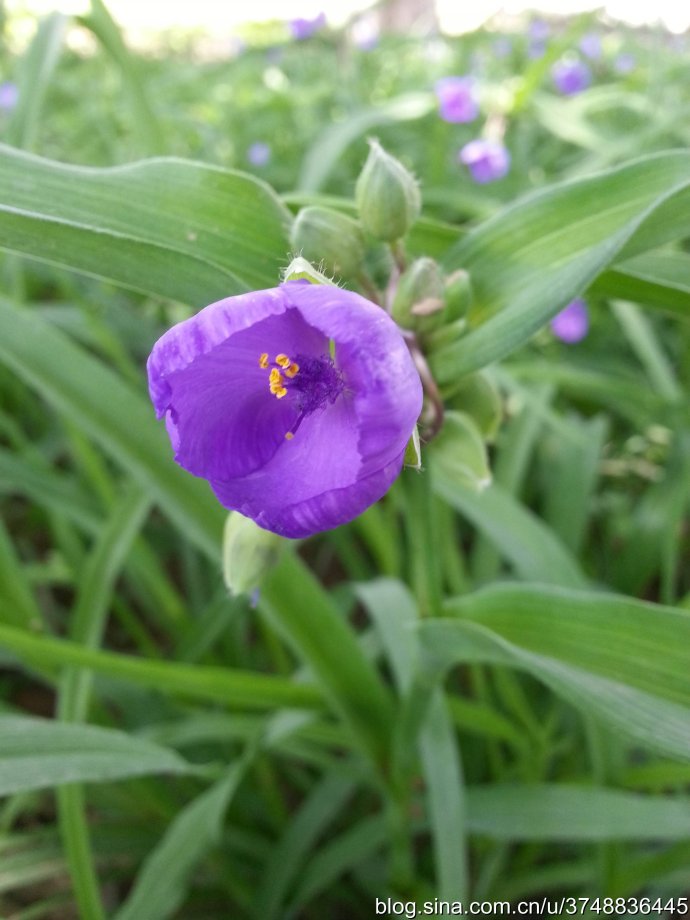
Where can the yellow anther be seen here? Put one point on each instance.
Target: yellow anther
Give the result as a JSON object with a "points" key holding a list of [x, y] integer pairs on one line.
{"points": [[279, 392], [282, 361], [289, 436], [263, 360], [292, 370], [275, 376]]}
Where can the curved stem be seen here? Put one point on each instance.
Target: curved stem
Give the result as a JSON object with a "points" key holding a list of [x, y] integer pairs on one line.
{"points": [[430, 387]]}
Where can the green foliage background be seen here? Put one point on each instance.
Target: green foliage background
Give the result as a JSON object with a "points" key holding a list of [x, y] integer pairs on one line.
{"points": [[462, 694]]}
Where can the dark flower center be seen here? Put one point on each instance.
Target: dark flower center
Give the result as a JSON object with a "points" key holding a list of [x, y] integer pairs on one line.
{"points": [[313, 382]]}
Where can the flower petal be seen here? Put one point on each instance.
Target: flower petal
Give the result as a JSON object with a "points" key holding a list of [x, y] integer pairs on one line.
{"points": [[221, 417], [377, 366]]}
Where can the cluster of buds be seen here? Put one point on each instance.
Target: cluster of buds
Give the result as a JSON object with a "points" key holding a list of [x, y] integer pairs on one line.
{"points": [[429, 307]]}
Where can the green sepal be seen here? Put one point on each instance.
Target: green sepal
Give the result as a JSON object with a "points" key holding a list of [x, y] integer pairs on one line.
{"points": [[413, 452], [302, 270]]}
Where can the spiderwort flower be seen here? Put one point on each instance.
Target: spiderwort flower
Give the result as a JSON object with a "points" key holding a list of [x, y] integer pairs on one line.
{"points": [[295, 403], [486, 160], [259, 153], [9, 96], [539, 30], [624, 64], [305, 28], [572, 323], [570, 76], [457, 99], [590, 45]]}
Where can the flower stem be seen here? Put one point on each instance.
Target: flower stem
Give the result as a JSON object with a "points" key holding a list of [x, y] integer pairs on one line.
{"points": [[431, 390]]}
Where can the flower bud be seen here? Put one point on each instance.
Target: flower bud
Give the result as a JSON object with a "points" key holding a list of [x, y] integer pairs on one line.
{"points": [[457, 295], [324, 235], [458, 454], [301, 270], [478, 397], [249, 553], [387, 196], [419, 297]]}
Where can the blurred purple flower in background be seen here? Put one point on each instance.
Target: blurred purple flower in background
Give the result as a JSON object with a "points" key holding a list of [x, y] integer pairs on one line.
{"points": [[259, 153], [571, 76], [486, 160], [624, 63], [457, 99], [539, 30], [572, 323], [305, 28], [9, 96], [536, 50], [289, 432], [590, 45]]}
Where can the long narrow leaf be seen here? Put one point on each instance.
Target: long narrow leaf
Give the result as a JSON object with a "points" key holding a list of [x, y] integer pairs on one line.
{"points": [[529, 261], [173, 228]]}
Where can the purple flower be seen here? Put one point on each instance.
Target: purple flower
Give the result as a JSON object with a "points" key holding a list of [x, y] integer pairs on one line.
{"points": [[570, 76], [539, 30], [624, 63], [296, 403], [571, 324], [259, 154], [9, 96], [305, 28], [536, 50], [486, 160], [590, 45], [457, 99]]}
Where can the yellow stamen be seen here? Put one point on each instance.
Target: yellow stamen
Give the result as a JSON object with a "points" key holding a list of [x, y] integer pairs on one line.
{"points": [[289, 436], [263, 360], [275, 376], [282, 361], [292, 370], [280, 392]]}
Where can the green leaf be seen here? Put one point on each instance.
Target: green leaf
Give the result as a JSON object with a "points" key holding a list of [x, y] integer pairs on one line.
{"points": [[640, 644], [622, 661], [88, 619], [571, 813], [171, 228], [111, 413], [395, 614], [332, 144], [162, 882], [358, 844], [39, 754], [19, 607], [572, 471], [227, 686], [534, 550], [529, 261], [106, 30], [656, 522], [640, 333], [307, 618], [289, 854], [35, 74], [653, 279]]}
